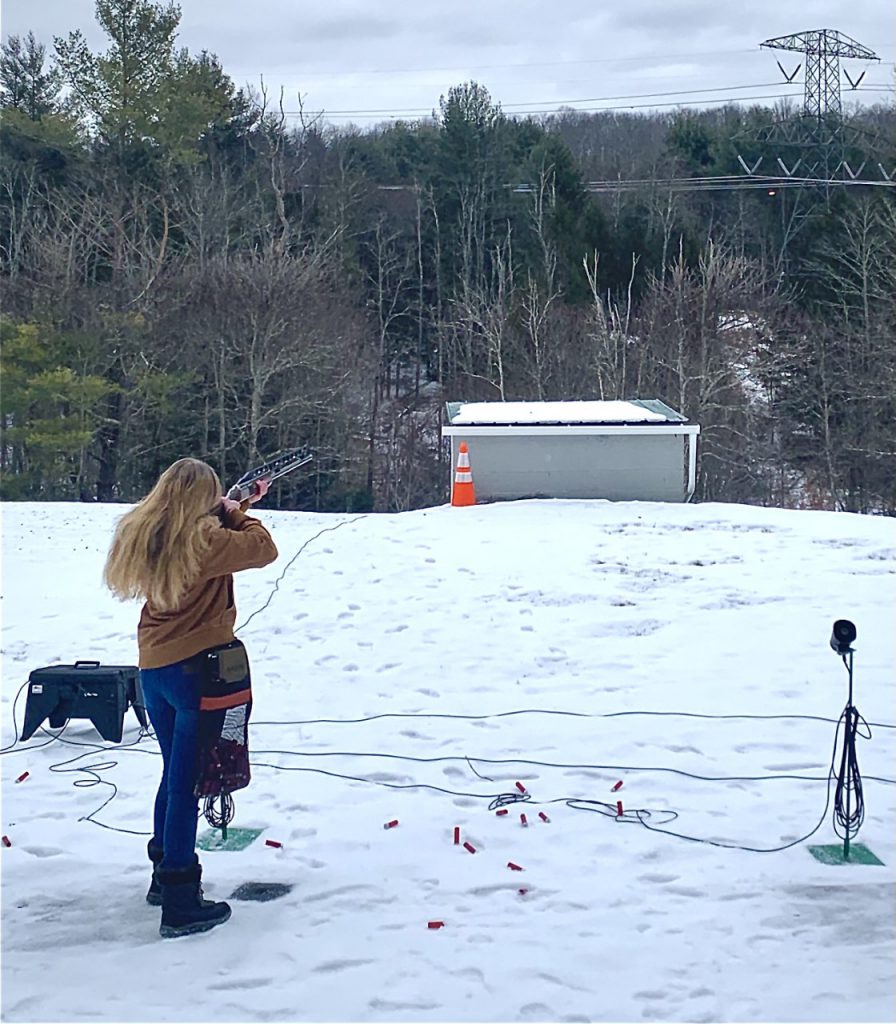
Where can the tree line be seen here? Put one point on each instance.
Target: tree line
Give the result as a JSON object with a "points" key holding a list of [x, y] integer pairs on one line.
{"points": [[190, 269]]}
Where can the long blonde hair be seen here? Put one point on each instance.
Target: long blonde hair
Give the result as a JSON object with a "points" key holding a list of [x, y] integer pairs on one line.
{"points": [[157, 549]]}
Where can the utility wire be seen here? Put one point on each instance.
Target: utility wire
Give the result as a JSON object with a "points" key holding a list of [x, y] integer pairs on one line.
{"points": [[651, 59], [417, 112], [585, 99], [744, 185], [538, 64], [534, 107], [731, 183]]}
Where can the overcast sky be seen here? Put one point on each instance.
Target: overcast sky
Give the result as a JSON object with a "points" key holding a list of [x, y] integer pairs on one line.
{"points": [[362, 61]]}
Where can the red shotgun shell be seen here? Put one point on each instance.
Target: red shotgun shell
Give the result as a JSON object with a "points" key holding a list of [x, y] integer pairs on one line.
{"points": [[513, 867], [619, 809], [522, 892], [543, 816], [521, 787], [274, 843], [617, 787], [435, 924], [6, 841], [23, 776], [391, 824], [523, 820], [456, 835], [502, 811], [468, 846]]}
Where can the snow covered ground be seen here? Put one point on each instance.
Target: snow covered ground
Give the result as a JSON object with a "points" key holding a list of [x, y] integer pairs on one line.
{"points": [[586, 607]]}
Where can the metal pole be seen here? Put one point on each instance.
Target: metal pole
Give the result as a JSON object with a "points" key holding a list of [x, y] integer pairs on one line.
{"points": [[846, 740]]}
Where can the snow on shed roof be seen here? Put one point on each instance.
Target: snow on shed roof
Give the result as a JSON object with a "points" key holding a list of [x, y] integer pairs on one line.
{"points": [[544, 413]]}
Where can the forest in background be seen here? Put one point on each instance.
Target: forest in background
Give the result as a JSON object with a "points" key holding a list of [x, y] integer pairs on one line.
{"points": [[189, 269]]}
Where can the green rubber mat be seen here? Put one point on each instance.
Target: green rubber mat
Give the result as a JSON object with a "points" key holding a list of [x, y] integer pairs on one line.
{"points": [[858, 854], [237, 839]]}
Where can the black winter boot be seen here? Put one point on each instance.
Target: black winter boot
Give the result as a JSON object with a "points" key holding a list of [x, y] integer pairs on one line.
{"points": [[154, 896], [184, 911]]}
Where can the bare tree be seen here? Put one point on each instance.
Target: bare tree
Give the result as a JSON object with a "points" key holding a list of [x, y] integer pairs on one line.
{"points": [[698, 331], [608, 329], [844, 372], [542, 290], [390, 278], [483, 315]]}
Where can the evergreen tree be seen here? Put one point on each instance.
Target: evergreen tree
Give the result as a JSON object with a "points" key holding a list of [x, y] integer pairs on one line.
{"points": [[142, 93], [50, 415], [26, 84]]}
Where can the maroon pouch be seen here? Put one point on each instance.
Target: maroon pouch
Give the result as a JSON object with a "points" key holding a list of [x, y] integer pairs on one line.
{"points": [[224, 707]]}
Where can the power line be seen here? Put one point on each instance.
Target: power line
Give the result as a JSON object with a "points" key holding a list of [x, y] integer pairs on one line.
{"points": [[722, 182], [656, 58], [725, 182], [583, 99], [745, 184], [535, 64], [681, 92], [417, 112], [529, 106]]}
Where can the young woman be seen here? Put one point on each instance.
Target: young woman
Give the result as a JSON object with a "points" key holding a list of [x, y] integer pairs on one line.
{"points": [[177, 550]]}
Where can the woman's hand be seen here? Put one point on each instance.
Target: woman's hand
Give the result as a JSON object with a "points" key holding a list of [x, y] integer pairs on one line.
{"points": [[259, 489], [229, 505]]}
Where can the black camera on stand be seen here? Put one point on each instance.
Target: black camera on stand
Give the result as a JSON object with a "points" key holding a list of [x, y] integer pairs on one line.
{"points": [[842, 637], [849, 803]]}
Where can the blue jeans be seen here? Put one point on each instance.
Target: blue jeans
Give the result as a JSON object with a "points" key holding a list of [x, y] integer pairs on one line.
{"points": [[171, 695]]}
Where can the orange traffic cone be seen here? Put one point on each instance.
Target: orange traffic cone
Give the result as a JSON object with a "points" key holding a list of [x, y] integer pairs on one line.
{"points": [[462, 493]]}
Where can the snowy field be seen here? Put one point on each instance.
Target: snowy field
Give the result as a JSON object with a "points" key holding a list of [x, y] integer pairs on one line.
{"points": [[586, 607]]}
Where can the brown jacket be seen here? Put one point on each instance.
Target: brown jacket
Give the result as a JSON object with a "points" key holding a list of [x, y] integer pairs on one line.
{"points": [[206, 616]]}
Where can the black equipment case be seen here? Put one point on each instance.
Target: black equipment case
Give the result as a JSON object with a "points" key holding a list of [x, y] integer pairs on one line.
{"points": [[87, 689]]}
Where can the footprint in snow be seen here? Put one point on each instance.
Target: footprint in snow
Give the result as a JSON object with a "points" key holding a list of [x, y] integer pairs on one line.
{"points": [[390, 1006], [332, 966], [235, 984], [536, 1011]]}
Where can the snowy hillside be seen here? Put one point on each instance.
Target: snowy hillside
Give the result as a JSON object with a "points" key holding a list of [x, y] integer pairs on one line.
{"points": [[500, 613]]}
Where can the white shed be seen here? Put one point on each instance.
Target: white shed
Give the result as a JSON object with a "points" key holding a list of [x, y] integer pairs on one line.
{"points": [[625, 451]]}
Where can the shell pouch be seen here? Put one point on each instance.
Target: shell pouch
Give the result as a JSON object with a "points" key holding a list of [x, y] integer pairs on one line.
{"points": [[224, 707]]}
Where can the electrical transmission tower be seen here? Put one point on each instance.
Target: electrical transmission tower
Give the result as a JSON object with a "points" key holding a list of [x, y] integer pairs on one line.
{"points": [[821, 130], [813, 149]]}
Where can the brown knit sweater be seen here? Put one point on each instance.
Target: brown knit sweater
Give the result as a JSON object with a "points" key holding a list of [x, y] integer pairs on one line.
{"points": [[206, 616]]}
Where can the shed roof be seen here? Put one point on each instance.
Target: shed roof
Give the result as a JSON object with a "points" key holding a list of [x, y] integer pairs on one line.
{"points": [[618, 413]]}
